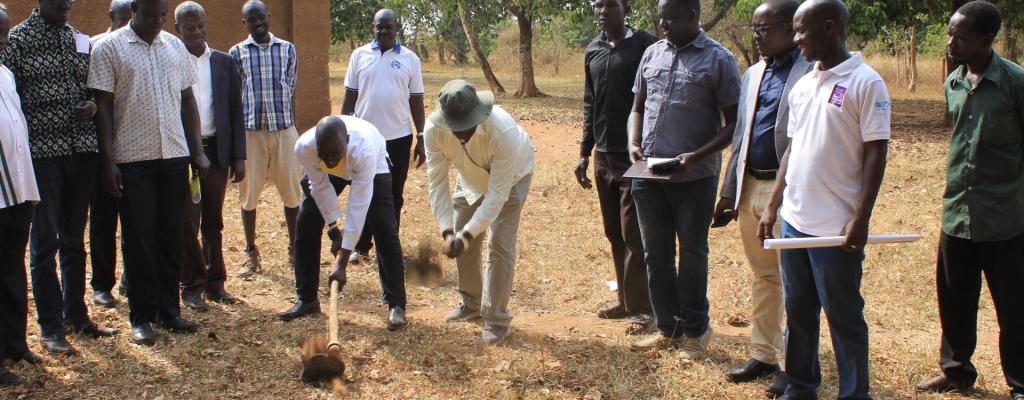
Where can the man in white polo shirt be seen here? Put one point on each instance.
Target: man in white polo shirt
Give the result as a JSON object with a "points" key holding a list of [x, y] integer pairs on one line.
{"points": [[339, 152], [839, 126], [384, 86]]}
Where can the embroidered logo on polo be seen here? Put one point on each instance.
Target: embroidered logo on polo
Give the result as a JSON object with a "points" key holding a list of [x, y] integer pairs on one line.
{"points": [[883, 106], [837, 96], [396, 65]]}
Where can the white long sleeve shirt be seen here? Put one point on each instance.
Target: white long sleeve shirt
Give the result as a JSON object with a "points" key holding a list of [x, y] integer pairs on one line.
{"points": [[487, 166], [366, 157], [17, 177]]}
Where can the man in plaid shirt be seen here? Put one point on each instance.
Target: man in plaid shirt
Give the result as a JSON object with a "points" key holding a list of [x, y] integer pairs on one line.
{"points": [[268, 67]]}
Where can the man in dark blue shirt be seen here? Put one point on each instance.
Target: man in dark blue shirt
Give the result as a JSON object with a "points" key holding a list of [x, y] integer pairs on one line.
{"points": [[610, 66]]}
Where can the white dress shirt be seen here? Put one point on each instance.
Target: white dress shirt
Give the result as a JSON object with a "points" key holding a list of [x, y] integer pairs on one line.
{"points": [[203, 91], [497, 156], [17, 178], [366, 157], [385, 81]]}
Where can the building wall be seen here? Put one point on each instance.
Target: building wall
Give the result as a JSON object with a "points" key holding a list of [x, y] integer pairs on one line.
{"points": [[311, 36]]}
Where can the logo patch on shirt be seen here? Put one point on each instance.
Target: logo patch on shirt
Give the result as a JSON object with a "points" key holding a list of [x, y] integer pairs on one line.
{"points": [[837, 96], [883, 106], [396, 65]]}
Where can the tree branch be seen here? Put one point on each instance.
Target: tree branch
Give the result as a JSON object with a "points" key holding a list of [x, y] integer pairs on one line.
{"points": [[720, 13]]}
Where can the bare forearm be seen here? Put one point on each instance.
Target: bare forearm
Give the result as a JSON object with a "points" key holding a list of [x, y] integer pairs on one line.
{"points": [[416, 108], [871, 181], [348, 106], [190, 118], [105, 125]]}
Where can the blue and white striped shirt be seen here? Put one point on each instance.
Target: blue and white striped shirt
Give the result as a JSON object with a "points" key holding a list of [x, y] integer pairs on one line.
{"points": [[269, 73], [17, 178]]}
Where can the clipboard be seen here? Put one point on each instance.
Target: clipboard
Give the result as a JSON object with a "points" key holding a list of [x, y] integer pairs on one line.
{"points": [[639, 170]]}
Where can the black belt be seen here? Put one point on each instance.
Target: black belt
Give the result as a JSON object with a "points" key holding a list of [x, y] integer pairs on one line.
{"points": [[209, 140], [762, 174]]}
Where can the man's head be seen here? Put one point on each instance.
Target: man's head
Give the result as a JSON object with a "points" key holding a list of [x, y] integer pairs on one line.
{"points": [[460, 108], [820, 27], [256, 18], [773, 27], [331, 140], [56, 11], [190, 22], [150, 16], [610, 14], [120, 13], [972, 29], [679, 20], [5, 26], [385, 28]]}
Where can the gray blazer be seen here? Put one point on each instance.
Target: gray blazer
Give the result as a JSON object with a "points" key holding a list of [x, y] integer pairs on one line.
{"points": [[737, 167]]}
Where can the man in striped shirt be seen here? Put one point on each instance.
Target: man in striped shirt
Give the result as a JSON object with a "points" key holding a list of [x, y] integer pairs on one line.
{"points": [[268, 66]]}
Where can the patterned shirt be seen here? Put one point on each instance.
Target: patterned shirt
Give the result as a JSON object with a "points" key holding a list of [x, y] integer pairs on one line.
{"points": [[51, 76], [269, 72], [146, 80], [17, 178]]}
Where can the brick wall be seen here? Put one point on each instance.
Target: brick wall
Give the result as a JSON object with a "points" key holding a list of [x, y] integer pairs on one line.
{"points": [[303, 22]]}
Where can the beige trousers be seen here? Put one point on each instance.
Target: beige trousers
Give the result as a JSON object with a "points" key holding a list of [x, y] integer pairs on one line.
{"points": [[270, 156], [767, 318], [488, 287]]}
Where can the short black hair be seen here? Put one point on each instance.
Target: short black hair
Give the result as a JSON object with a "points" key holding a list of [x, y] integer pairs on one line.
{"points": [[984, 14], [783, 8], [691, 4]]}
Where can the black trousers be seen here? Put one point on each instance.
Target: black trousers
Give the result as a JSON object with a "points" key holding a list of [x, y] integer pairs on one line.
{"points": [[153, 229], [399, 151], [14, 231], [103, 241], [58, 230], [622, 228], [380, 218], [961, 264], [203, 264]]}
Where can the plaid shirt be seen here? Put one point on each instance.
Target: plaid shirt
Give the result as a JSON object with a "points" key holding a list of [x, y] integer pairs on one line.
{"points": [[269, 72]]}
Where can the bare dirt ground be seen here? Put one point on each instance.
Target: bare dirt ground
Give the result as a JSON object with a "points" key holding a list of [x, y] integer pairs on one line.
{"points": [[559, 348]]}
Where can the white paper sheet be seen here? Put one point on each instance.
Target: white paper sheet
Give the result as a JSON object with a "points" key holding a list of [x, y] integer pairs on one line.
{"points": [[655, 161], [82, 43], [833, 241]]}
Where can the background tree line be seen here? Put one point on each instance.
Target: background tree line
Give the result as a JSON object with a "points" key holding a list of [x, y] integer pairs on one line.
{"points": [[457, 31]]}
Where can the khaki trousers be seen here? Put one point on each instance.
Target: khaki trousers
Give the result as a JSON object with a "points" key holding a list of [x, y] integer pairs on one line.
{"points": [[767, 318], [270, 156], [488, 287]]}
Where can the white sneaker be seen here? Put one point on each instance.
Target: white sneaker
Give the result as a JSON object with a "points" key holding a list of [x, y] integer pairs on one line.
{"points": [[696, 348]]}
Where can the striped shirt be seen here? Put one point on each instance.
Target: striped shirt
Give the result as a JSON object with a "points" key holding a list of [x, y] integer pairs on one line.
{"points": [[269, 72], [17, 178]]}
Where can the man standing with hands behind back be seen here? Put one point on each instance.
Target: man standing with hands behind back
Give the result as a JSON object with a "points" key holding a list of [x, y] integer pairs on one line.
{"points": [[610, 67], [759, 143], [383, 86]]}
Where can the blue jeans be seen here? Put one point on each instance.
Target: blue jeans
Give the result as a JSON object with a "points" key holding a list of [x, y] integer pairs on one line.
{"points": [[824, 278], [58, 228], [670, 211]]}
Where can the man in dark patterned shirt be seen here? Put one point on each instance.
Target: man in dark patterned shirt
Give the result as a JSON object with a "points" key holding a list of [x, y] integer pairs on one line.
{"points": [[50, 62]]}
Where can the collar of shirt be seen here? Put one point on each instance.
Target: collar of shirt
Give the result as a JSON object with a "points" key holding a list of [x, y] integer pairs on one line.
{"points": [[133, 37], [397, 49], [629, 34], [786, 59], [844, 68], [36, 21], [203, 57], [273, 40], [699, 42], [993, 73]]}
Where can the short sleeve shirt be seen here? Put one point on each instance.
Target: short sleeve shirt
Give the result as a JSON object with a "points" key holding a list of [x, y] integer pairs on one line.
{"points": [[146, 80], [385, 81], [686, 89], [832, 114]]}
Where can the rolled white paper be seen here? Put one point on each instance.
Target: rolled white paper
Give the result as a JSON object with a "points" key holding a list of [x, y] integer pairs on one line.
{"points": [[833, 241]]}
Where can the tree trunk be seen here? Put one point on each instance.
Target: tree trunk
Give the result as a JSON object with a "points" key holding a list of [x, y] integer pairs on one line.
{"points": [[441, 57], [720, 13], [527, 86], [913, 58], [474, 44], [1012, 51], [655, 28], [743, 49]]}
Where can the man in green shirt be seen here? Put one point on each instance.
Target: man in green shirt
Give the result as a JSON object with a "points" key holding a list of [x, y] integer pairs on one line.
{"points": [[983, 206]]}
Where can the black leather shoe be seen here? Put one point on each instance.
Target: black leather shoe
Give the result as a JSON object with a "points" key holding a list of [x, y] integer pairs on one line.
{"points": [[396, 319], [751, 370], [179, 325], [798, 397], [29, 357], [222, 296], [57, 345], [778, 386], [943, 384], [1017, 396], [143, 334], [300, 309], [89, 328], [8, 378], [105, 299], [194, 301]]}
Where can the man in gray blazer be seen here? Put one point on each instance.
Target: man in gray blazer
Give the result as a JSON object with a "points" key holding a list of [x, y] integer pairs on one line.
{"points": [[759, 144]]}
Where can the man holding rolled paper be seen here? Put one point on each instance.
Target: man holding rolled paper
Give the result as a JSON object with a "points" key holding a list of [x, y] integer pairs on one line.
{"points": [[831, 174]]}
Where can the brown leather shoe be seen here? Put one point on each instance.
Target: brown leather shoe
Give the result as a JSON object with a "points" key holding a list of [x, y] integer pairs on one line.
{"points": [[943, 384], [613, 310]]}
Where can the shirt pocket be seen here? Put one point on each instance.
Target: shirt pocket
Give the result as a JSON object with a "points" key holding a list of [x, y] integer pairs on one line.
{"points": [[657, 80]]}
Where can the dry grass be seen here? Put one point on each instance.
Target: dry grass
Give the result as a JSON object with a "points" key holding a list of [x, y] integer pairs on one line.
{"points": [[559, 348]]}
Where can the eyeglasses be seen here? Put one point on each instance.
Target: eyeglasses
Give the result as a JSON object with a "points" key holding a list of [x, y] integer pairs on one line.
{"points": [[761, 29]]}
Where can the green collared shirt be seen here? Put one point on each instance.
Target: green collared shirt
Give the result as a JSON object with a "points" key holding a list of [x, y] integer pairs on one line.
{"points": [[984, 198]]}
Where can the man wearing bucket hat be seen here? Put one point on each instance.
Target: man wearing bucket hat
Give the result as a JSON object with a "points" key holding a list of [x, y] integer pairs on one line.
{"points": [[493, 159]]}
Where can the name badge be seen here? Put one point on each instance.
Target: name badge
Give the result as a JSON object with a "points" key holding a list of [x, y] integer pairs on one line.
{"points": [[837, 96], [82, 43]]}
